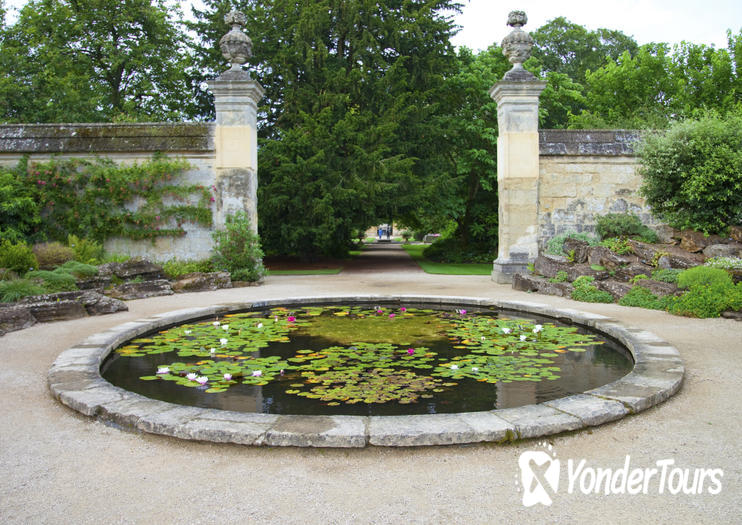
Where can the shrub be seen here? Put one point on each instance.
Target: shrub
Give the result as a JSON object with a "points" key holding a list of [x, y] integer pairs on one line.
{"points": [[692, 174], [725, 263], [17, 257], [586, 292], [666, 275], [623, 225], [56, 281], [52, 254], [703, 276], [642, 298], [618, 245], [708, 300], [11, 291], [638, 278], [86, 251], [453, 250], [555, 245], [560, 277], [175, 268], [237, 249], [79, 270], [19, 212]]}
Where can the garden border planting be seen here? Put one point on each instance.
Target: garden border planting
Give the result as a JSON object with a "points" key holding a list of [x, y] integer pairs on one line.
{"points": [[75, 380]]}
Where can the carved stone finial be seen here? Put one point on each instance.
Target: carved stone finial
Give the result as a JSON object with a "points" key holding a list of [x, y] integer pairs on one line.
{"points": [[517, 47], [236, 46]]}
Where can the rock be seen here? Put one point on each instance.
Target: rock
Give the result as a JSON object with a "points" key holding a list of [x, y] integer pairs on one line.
{"points": [[94, 283], [735, 232], [602, 256], [664, 262], [658, 288], [548, 265], [628, 272], [577, 270], [141, 290], [577, 247], [651, 254], [14, 318], [615, 288], [737, 316], [723, 250], [693, 241], [667, 234], [200, 282], [131, 269], [532, 283], [99, 304], [59, 310]]}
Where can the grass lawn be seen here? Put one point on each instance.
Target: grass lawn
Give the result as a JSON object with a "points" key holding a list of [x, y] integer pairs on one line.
{"points": [[416, 252], [321, 271]]}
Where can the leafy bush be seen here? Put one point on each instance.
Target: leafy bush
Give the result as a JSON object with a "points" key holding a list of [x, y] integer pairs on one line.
{"points": [[708, 300], [638, 278], [11, 291], [18, 257], [586, 292], [19, 212], [7, 275], [237, 249], [725, 263], [79, 270], [618, 245], [53, 281], [692, 174], [86, 251], [560, 277], [52, 254], [452, 250], [176, 268], [555, 245], [641, 297], [623, 225], [666, 275], [703, 276]]}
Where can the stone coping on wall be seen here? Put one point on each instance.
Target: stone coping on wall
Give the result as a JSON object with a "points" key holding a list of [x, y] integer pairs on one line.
{"points": [[75, 380], [196, 137], [588, 142]]}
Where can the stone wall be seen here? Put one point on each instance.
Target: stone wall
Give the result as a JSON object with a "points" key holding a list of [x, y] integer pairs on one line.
{"points": [[583, 174], [127, 143]]}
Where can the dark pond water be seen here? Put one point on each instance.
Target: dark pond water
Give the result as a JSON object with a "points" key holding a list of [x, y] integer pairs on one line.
{"points": [[367, 360]]}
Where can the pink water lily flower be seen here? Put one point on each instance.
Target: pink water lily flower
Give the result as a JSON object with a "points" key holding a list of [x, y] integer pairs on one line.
{"points": [[291, 319], [202, 380], [228, 377], [257, 373], [191, 376], [391, 316], [410, 351], [163, 370], [403, 309]]}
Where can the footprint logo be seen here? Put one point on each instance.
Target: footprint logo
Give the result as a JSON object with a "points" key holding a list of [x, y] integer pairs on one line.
{"points": [[539, 476]]}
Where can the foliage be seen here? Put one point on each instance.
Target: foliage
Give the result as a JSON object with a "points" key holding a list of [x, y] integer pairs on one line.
{"points": [[16, 289], [585, 291], [237, 249], [725, 263], [18, 257], [703, 276], [176, 268], [52, 254], [79, 270], [560, 277], [643, 298], [692, 175], [416, 252], [94, 61], [618, 245], [637, 278], [555, 245], [58, 280], [453, 250], [86, 250], [623, 225], [19, 213], [110, 192], [708, 300], [666, 275]]}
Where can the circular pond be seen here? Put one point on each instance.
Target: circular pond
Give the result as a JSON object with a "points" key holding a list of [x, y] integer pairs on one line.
{"points": [[334, 372], [367, 359]]}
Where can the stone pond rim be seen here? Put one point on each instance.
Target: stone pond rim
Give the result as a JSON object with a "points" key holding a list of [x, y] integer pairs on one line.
{"points": [[75, 380]]}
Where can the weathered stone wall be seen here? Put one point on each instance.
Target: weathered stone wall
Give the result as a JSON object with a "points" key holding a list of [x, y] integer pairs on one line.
{"points": [[584, 174], [126, 143]]}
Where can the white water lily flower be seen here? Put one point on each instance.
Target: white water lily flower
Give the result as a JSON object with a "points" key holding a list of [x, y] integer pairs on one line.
{"points": [[163, 370], [191, 376], [223, 341], [227, 377], [212, 351], [523, 338], [216, 323], [474, 369], [225, 327], [482, 338], [506, 330], [537, 328], [187, 332], [202, 380], [257, 373], [260, 325], [454, 367]]}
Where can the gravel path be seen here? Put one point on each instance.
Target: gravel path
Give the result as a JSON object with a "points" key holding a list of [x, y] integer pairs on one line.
{"points": [[61, 467]]}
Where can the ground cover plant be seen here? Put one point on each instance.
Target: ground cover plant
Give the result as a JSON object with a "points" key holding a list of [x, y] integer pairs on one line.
{"points": [[416, 251]]}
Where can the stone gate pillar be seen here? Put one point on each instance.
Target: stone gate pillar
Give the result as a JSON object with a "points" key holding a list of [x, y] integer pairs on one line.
{"points": [[236, 97], [517, 97]]}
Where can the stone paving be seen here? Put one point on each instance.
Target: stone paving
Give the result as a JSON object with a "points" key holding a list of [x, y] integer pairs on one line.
{"points": [[62, 467]]}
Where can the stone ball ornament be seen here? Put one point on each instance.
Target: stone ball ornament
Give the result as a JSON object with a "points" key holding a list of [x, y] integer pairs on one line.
{"points": [[236, 46], [517, 47]]}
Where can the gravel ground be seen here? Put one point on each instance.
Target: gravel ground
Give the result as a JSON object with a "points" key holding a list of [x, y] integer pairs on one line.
{"points": [[61, 467]]}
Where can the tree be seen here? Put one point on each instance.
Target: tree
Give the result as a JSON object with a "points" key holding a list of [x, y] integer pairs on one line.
{"points": [[94, 60]]}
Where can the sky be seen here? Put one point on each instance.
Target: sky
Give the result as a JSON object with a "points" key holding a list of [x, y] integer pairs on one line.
{"points": [[484, 22]]}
